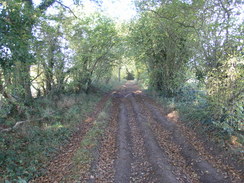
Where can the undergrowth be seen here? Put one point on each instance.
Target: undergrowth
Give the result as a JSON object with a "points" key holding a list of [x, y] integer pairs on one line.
{"points": [[26, 149]]}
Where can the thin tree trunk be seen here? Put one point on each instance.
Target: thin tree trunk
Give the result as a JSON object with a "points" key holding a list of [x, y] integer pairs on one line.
{"points": [[27, 83], [119, 73]]}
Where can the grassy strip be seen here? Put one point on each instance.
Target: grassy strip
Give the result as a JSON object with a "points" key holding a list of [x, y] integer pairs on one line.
{"points": [[83, 158], [23, 152]]}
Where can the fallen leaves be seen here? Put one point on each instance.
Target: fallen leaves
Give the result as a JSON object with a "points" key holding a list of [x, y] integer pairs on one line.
{"points": [[89, 119], [58, 168], [107, 154]]}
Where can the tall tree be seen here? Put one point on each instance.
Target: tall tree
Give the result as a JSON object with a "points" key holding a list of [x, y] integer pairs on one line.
{"points": [[161, 36], [93, 41], [17, 19]]}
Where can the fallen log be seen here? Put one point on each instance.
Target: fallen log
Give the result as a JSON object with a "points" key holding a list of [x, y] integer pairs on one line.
{"points": [[19, 123]]}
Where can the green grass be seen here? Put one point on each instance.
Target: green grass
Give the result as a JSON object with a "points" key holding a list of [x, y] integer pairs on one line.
{"points": [[83, 157], [24, 151]]}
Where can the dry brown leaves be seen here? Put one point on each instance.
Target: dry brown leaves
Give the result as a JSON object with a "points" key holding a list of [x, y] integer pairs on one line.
{"points": [[142, 170], [62, 165], [227, 170], [105, 167]]}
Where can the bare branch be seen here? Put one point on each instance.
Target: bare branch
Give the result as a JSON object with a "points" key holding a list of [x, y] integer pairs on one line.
{"points": [[36, 77], [45, 4], [66, 7], [19, 123]]}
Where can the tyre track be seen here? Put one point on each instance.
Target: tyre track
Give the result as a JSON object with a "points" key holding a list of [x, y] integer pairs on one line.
{"points": [[141, 168], [220, 162], [203, 168], [156, 155], [124, 159], [184, 170]]}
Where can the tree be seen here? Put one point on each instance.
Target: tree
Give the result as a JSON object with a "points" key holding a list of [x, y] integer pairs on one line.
{"points": [[202, 36], [49, 55], [93, 41], [17, 19], [161, 36]]}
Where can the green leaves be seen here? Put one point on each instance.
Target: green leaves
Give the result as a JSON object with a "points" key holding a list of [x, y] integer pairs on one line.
{"points": [[225, 92], [161, 41], [93, 41], [173, 38]]}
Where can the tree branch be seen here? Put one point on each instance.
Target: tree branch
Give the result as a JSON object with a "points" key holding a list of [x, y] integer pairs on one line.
{"points": [[29, 1], [66, 7], [45, 4], [19, 123], [36, 77]]}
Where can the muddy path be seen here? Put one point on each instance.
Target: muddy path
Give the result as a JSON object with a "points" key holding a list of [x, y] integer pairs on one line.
{"points": [[141, 145]]}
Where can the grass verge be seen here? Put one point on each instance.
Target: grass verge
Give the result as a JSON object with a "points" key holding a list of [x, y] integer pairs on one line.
{"points": [[24, 151], [85, 155]]}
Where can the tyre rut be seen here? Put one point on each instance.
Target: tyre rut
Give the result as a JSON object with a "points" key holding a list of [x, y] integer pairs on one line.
{"points": [[203, 168], [141, 168], [123, 161], [156, 155], [181, 168]]}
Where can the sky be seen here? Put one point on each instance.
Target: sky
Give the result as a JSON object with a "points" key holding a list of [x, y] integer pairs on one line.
{"points": [[121, 10]]}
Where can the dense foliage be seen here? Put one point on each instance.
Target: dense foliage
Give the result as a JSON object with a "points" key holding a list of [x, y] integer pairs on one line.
{"points": [[42, 55], [195, 46], [93, 39]]}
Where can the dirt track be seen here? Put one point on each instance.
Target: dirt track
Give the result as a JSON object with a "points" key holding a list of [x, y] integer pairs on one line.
{"points": [[141, 145]]}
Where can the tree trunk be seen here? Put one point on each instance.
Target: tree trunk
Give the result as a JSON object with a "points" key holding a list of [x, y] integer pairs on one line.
{"points": [[119, 73], [27, 83], [22, 81]]}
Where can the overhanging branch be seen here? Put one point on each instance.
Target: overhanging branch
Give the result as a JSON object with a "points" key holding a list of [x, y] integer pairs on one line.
{"points": [[66, 7], [45, 4]]}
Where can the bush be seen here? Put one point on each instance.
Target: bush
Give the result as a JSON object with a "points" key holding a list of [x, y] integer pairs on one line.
{"points": [[130, 76], [195, 108]]}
